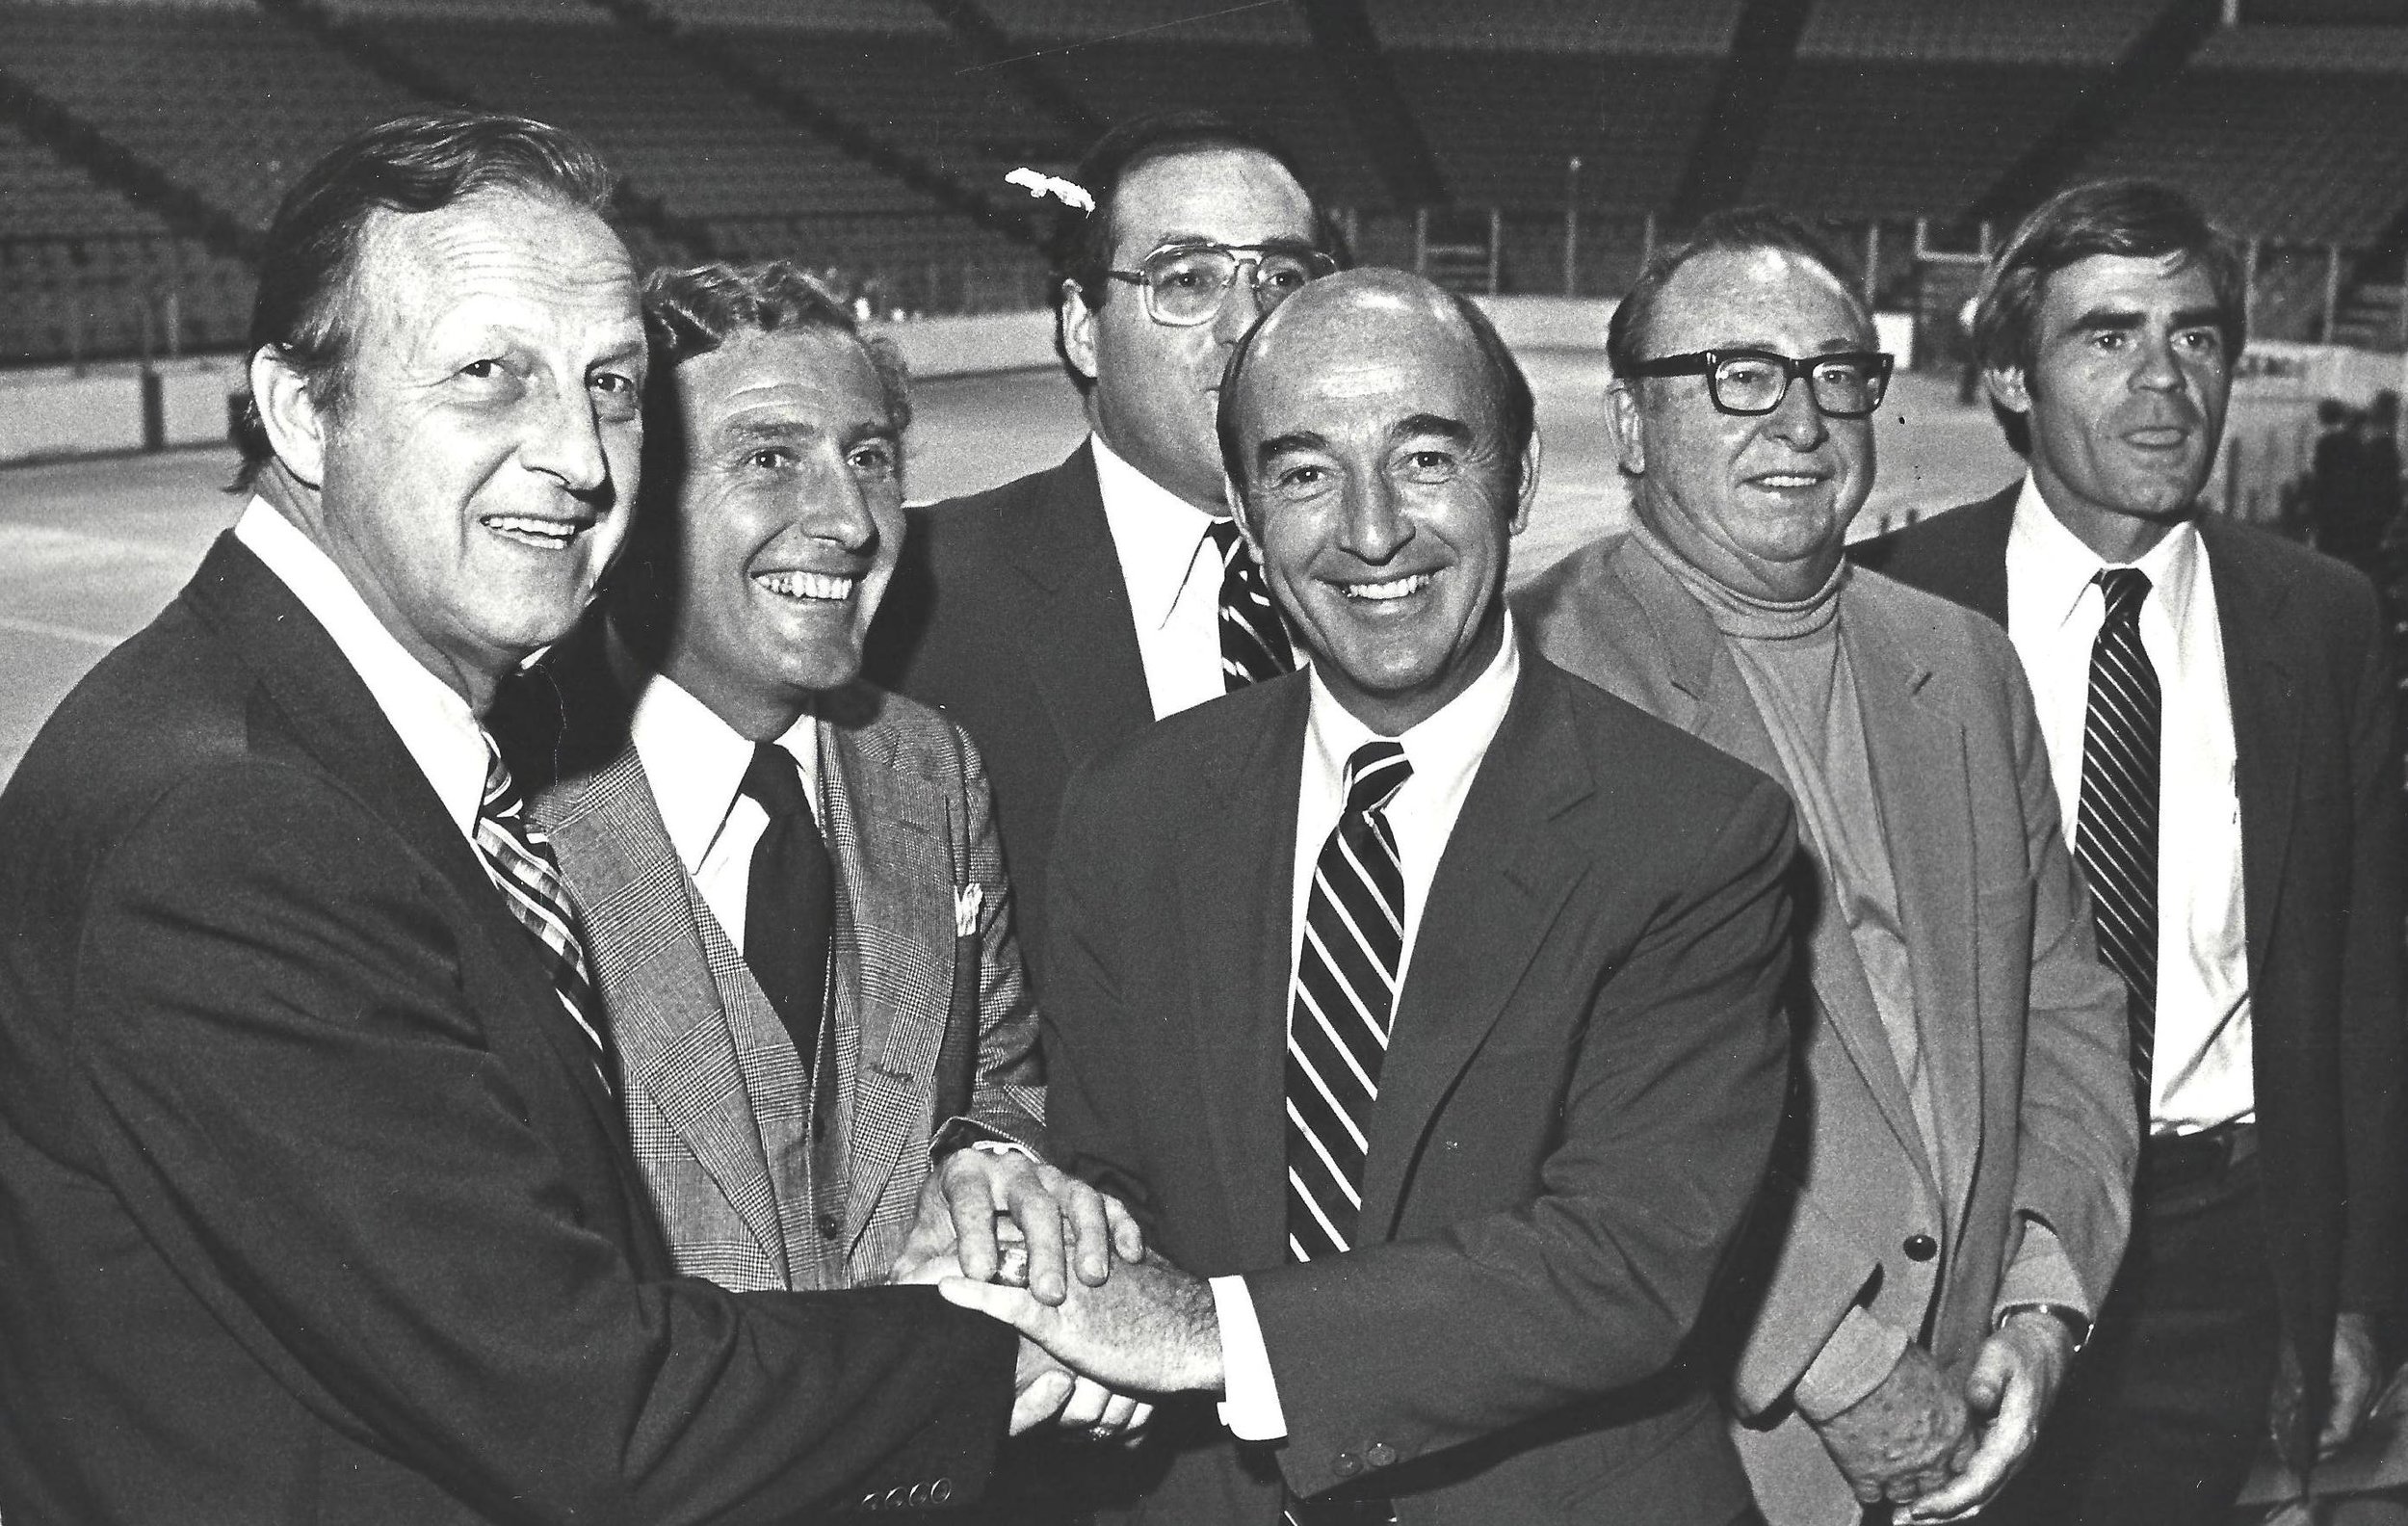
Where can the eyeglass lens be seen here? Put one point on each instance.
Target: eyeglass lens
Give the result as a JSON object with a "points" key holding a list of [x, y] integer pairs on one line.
{"points": [[1186, 285], [1754, 385]]}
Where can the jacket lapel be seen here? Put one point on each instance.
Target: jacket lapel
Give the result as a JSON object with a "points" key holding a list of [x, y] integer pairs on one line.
{"points": [[666, 1007], [1500, 886], [2258, 671], [891, 916], [1236, 884], [1917, 747], [1073, 608]]}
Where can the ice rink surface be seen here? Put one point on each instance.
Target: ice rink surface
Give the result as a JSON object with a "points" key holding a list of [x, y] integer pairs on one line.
{"points": [[91, 550]]}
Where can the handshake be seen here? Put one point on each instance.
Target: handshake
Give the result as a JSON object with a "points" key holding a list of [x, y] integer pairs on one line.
{"points": [[1105, 1325]]}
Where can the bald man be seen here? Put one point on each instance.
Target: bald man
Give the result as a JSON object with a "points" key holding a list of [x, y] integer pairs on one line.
{"points": [[1423, 1002]]}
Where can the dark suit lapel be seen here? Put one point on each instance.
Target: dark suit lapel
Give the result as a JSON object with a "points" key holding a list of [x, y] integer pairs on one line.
{"points": [[1915, 742], [1988, 525], [1501, 883], [330, 709], [1236, 884], [2257, 671], [1072, 607]]}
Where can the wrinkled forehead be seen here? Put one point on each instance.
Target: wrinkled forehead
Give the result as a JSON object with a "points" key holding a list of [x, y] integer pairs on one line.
{"points": [[804, 381], [1761, 299], [501, 257], [1371, 360]]}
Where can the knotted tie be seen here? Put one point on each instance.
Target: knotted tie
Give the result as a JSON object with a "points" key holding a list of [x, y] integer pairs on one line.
{"points": [[1253, 642], [2115, 838], [1344, 997], [790, 900], [517, 857]]}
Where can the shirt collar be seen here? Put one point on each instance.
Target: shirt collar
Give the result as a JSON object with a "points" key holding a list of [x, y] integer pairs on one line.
{"points": [[1158, 534], [1444, 748], [2048, 569], [436, 725], [695, 761]]}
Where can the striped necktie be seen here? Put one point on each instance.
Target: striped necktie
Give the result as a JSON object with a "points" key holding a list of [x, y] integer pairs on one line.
{"points": [[2115, 838], [517, 857], [1253, 642], [1341, 1005]]}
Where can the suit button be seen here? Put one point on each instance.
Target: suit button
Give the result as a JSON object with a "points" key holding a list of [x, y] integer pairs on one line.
{"points": [[831, 1227], [1346, 1464], [1921, 1248], [943, 1491], [1379, 1454]]}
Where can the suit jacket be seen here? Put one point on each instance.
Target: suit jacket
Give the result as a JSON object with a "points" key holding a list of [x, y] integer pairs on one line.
{"points": [[1581, 1088], [2023, 1029], [2310, 678], [313, 1205], [932, 1021], [1008, 611]]}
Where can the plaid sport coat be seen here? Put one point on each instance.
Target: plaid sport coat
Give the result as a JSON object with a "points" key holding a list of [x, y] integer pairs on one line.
{"points": [[932, 1016]]}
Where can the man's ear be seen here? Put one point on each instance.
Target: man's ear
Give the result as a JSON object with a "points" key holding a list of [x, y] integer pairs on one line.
{"points": [[1622, 425], [295, 424], [2008, 389], [1528, 493], [1077, 321]]}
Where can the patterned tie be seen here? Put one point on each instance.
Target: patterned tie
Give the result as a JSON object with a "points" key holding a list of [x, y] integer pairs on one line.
{"points": [[518, 859], [790, 900], [2116, 836], [1253, 642], [1344, 997]]}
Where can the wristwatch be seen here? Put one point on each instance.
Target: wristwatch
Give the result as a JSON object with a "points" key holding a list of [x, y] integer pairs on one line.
{"points": [[2077, 1324]]}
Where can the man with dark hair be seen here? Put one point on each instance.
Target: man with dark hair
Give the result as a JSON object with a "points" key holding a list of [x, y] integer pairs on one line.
{"points": [[1948, 1205], [2217, 704], [1058, 614], [320, 1207], [791, 881], [1426, 1004]]}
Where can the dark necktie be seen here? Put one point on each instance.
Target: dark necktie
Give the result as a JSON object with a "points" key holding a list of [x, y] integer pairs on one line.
{"points": [[1253, 642], [790, 900], [1341, 1005], [2115, 838], [517, 857]]}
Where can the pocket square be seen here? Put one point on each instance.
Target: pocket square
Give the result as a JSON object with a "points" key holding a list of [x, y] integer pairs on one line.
{"points": [[967, 899]]}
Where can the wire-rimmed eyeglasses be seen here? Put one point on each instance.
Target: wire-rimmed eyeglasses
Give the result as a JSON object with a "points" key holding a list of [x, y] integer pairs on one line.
{"points": [[1845, 383], [1184, 284]]}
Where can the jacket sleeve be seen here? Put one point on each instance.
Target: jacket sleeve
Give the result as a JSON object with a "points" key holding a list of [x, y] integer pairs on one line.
{"points": [[1008, 1093], [313, 1073]]}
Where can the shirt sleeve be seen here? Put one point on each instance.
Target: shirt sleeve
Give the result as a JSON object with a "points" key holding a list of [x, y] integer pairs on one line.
{"points": [[1250, 1404]]}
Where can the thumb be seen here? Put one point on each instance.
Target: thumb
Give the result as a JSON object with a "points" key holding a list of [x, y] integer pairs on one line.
{"points": [[1986, 1384]]}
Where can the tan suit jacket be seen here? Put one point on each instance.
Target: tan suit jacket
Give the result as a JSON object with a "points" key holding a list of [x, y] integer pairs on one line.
{"points": [[2023, 1029], [932, 1016]]}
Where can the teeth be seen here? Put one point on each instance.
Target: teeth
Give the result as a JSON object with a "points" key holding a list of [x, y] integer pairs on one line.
{"points": [[550, 532], [1785, 481], [1393, 588], [823, 586]]}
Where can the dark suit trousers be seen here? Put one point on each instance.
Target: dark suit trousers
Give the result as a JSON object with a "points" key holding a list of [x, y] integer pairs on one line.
{"points": [[2166, 1410]]}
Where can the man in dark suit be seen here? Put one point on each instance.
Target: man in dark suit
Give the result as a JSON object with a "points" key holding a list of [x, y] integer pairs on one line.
{"points": [[2218, 712], [1425, 1004], [1054, 616], [318, 1202]]}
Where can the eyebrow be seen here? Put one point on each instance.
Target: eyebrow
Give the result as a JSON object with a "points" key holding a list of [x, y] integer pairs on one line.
{"points": [[1453, 431], [2125, 320], [1279, 445]]}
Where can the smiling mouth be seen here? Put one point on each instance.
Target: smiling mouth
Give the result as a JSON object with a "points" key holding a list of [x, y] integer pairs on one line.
{"points": [[1387, 593], [1789, 482], [809, 588], [549, 535]]}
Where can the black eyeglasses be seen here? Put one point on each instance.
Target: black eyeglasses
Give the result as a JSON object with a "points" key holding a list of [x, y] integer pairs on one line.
{"points": [[1184, 284], [1846, 383]]}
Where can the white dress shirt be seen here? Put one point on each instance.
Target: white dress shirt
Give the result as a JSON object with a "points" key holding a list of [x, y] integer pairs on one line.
{"points": [[2202, 1076], [433, 718], [695, 763], [1446, 752], [1174, 575]]}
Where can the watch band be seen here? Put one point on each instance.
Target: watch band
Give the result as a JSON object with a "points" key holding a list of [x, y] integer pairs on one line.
{"points": [[2077, 1324]]}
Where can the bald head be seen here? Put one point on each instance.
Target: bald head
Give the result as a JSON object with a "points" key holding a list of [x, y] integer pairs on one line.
{"points": [[1374, 315]]}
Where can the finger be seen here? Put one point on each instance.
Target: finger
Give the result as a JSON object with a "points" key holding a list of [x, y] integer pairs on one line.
{"points": [[1013, 1306], [1088, 1399], [1985, 1385], [971, 1207], [1040, 1401], [1985, 1473], [1128, 1240], [1091, 1241], [1117, 1413], [1032, 1208], [1138, 1419]]}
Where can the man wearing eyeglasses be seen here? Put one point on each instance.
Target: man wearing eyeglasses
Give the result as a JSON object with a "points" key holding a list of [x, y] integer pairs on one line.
{"points": [[1058, 614], [1954, 1188]]}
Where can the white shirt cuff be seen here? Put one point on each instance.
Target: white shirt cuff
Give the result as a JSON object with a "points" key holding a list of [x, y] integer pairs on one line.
{"points": [[1249, 1405]]}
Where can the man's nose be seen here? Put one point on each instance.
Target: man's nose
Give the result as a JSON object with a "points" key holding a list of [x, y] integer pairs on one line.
{"points": [[1377, 526], [2155, 367], [564, 441], [1797, 421]]}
